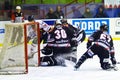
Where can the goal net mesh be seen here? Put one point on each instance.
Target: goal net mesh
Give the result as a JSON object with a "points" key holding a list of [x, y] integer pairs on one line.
{"points": [[13, 58]]}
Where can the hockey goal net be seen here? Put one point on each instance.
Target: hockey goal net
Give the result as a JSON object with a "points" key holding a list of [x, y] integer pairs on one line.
{"points": [[15, 50]]}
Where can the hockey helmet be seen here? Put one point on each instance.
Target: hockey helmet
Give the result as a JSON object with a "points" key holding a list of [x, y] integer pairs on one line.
{"points": [[64, 21], [18, 7], [104, 27], [31, 18], [58, 22]]}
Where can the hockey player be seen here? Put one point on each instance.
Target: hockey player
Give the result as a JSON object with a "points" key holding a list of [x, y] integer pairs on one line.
{"points": [[79, 34], [99, 43], [59, 44], [17, 17], [62, 44], [33, 34]]}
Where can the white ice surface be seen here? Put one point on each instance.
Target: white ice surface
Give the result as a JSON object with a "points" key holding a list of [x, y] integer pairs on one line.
{"points": [[90, 70]]}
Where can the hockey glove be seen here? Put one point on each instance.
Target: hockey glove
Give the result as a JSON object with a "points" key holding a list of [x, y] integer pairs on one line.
{"points": [[46, 51], [35, 40], [28, 39], [73, 43]]}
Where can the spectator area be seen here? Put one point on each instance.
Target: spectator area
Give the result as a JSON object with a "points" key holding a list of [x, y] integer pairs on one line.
{"points": [[39, 8], [42, 9]]}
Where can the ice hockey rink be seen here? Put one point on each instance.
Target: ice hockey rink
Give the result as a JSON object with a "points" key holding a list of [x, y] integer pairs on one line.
{"points": [[90, 70]]}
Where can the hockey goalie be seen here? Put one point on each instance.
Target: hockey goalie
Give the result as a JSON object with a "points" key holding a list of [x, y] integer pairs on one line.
{"points": [[32, 37]]}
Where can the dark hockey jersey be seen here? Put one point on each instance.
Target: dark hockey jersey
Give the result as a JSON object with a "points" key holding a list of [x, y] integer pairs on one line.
{"points": [[79, 34], [60, 37], [102, 39]]}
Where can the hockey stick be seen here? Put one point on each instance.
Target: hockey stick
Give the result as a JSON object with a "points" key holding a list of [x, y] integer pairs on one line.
{"points": [[15, 45], [118, 62]]}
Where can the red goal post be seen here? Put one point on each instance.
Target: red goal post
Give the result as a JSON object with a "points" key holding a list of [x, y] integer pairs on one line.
{"points": [[27, 25]]}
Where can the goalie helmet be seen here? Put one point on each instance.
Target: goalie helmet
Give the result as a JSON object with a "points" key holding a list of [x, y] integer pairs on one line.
{"points": [[31, 18], [104, 27]]}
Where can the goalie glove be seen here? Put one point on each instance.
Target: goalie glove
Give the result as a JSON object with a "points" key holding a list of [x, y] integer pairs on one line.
{"points": [[35, 40]]}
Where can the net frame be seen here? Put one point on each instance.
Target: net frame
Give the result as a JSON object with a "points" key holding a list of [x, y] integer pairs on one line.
{"points": [[38, 41], [10, 72], [15, 68]]}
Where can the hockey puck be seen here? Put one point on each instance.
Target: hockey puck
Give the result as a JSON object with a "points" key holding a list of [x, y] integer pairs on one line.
{"points": [[11, 60]]}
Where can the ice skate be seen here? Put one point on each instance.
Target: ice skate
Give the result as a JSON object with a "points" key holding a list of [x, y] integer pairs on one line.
{"points": [[76, 67]]}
